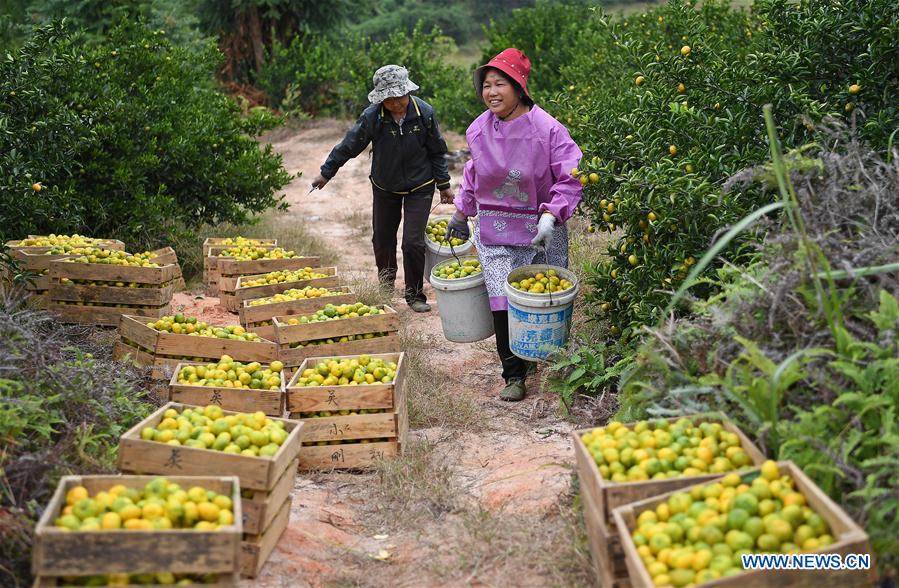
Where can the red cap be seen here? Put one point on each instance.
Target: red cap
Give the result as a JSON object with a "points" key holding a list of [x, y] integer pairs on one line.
{"points": [[511, 62]]}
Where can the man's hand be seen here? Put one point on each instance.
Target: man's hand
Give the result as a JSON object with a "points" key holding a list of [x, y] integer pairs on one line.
{"points": [[446, 196], [545, 228], [319, 181]]}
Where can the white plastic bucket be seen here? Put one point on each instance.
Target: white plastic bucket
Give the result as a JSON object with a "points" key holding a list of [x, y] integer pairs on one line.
{"points": [[436, 253], [539, 324], [464, 306]]}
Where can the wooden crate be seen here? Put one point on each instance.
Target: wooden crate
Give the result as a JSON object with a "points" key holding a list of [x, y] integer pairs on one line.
{"points": [[607, 495], [286, 334], [211, 255], [253, 318], [848, 538], [59, 552], [255, 473], [354, 441], [223, 581], [600, 497], [232, 300], [260, 509], [256, 549], [104, 305], [271, 402], [164, 351], [230, 269], [16, 248], [211, 242]]}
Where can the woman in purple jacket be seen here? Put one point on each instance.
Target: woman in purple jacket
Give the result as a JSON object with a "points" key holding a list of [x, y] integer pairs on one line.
{"points": [[519, 185]]}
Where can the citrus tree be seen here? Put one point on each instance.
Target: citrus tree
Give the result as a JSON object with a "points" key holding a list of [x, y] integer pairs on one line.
{"points": [[667, 105]]}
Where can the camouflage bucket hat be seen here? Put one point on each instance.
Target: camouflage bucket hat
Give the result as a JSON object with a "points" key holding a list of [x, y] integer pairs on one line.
{"points": [[391, 81]]}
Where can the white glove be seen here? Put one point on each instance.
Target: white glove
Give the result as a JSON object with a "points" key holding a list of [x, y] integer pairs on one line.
{"points": [[545, 229]]}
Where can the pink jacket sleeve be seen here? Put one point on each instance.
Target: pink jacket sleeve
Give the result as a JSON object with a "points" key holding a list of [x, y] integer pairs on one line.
{"points": [[465, 201], [566, 191]]}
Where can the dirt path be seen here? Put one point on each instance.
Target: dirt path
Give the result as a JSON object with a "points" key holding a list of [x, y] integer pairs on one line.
{"points": [[482, 496]]}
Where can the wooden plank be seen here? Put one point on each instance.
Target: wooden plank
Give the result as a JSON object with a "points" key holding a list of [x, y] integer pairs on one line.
{"points": [[222, 581], [271, 402], [135, 329], [38, 261], [59, 552], [295, 356], [387, 322], [607, 495], [605, 547], [162, 368], [230, 267], [260, 510], [346, 456], [256, 549], [251, 315], [255, 473], [848, 538], [102, 315], [112, 294], [113, 273], [349, 427], [319, 398]]}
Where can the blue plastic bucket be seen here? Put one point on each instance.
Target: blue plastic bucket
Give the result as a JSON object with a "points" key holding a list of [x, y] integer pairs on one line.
{"points": [[539, 324]]}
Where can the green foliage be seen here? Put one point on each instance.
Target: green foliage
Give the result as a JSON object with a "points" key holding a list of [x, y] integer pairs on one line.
{"points": [[62, 411], [322, 75], [585, 368], [129, 138], [737, 62]]}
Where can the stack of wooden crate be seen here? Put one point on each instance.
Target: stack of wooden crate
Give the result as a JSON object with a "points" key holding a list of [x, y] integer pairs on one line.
{"points": [[243, 292], [364, 423], [212, 247], [289, 337], [231, 269], [36, 260], [265, 482], [259, 318], [600, 497], [75, 300], [59, 555], [164, 351]]}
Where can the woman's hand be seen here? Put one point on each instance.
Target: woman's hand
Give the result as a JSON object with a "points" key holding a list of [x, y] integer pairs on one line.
{"points": [[545, 228], [446, 196], [458, 227]]}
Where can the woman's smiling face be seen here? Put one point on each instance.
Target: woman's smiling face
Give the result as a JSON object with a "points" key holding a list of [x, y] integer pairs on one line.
{"points": [[499, 94]]}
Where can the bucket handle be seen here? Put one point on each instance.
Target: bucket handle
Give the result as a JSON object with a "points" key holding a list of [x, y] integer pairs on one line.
{"points": [[453, 251], [546, 261]]}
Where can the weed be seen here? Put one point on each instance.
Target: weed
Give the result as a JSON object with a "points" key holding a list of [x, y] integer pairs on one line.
{"points": [[433, 397]]}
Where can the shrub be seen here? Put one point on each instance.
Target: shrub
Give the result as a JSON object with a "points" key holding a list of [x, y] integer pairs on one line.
{"points": [[62, 411], [810, 373], [321, 75], [129, 138]]}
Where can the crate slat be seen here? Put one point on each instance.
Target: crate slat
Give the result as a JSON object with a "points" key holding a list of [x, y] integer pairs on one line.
{"points": [[256, 549], [260, 510], [112, 294], [102, 315], [349, 456]]}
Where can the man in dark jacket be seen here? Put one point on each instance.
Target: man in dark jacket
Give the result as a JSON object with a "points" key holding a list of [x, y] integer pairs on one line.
{"points": [[408, 162]]}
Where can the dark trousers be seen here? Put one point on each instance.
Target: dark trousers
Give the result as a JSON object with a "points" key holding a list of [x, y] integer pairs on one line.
{"points": [[513, 366], [387, 211]]}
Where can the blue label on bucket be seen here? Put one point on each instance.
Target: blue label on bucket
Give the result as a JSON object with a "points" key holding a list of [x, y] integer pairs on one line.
{"points": [[540, 341]]}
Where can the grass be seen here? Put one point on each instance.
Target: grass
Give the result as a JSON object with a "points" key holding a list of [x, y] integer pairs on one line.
{"points": [[367, 289], [360, 223], [291, 235], [434, 397]]}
